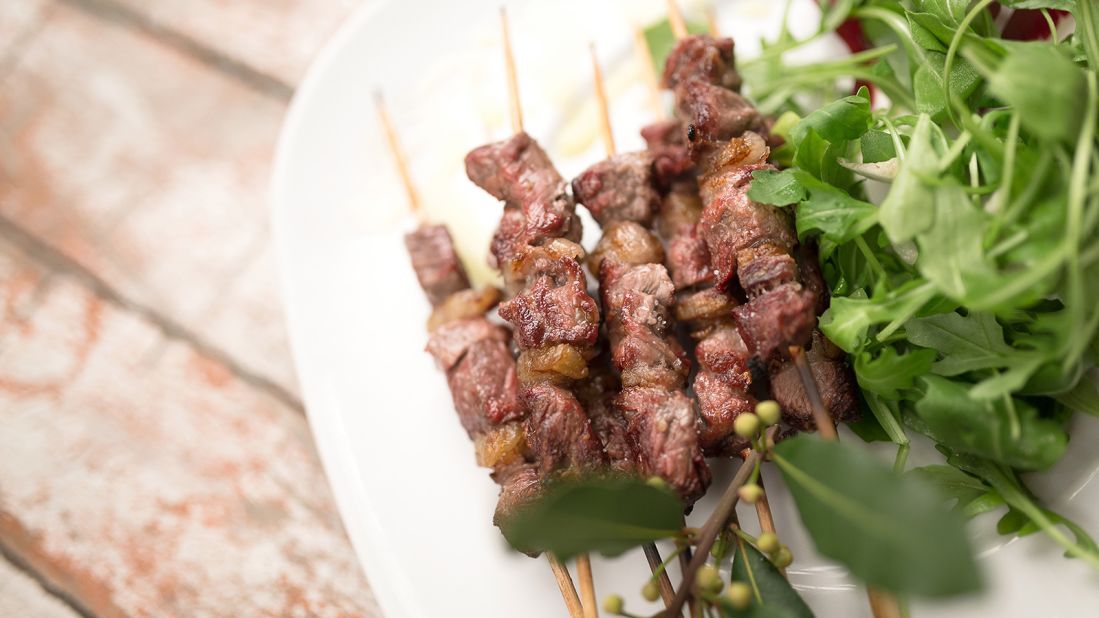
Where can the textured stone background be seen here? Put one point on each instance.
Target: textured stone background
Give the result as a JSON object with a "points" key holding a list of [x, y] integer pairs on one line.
{"points": [[154, 458]]}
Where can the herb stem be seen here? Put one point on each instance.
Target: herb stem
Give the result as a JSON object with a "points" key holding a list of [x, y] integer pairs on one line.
{"points": [[1077, 194], [714, 525], [952, 52]]}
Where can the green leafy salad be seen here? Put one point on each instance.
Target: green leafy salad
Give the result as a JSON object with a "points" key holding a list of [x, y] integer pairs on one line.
{"points": [[954, 198]]}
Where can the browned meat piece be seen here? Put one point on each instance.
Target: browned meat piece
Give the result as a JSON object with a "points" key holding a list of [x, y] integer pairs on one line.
{"points": [[722, 386], [508, 241], [764, 267], [559, 433], [627, 243], [662, 427], [463, 305], [705, 304], [597, 395], [680, 210], [636, 302], [775, 320], [619, 188], [560, 364], [689, 260], [704, 58], [436, 262], [731, 222], [485, 387], [554, 307], [834, 380], [520, 173], [663, 134], [667, 141], [720, 401], [712, 113], [519, 485], [449, 342]]}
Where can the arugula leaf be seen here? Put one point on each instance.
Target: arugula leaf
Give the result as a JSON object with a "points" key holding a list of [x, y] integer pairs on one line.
{"points": [[905, 212], [1008, 432], [951, 251], [605, 515], [971, 497], [1006, 483], [877, 146], [835, 214], [927, 82], [839, 121], [891, 372], [884, 527], [848, 318], [770, 589], [966, 343], [776, 188], [1084, 397], [1036, 78]]}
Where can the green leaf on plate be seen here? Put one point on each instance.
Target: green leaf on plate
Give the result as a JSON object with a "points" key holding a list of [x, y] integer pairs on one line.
{"points": [[770, 589], [886, 528], [776, 188], [906, 210], [890, 372], [971, 497], [1037, 77], [1084, 397], [1009, 432], [966, 343], [877, 146], [605, 515], [839, 121]]}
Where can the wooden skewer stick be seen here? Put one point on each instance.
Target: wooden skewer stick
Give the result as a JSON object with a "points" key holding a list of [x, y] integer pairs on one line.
{"points": [[560, 572], [604, 107], [399, 158], [711, 21], [652, 554], [587, 586], [825, 425], [514, 106], [568, 590], [675, 19]]}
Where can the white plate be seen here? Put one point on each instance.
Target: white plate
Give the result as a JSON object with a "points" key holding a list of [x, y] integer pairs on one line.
{"points": [[416, 506]]}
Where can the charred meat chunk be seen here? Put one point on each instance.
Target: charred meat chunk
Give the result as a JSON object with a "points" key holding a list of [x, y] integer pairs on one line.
{"points": [[775, 320], [619, 188], [450, 341], [712, 113], [834, 379], [704, 58], [485, 387], [554, 307], [520, 173], [663, 428], [689, 260], [667, 141], [559, 432], [637, 301], [436, 262]]}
